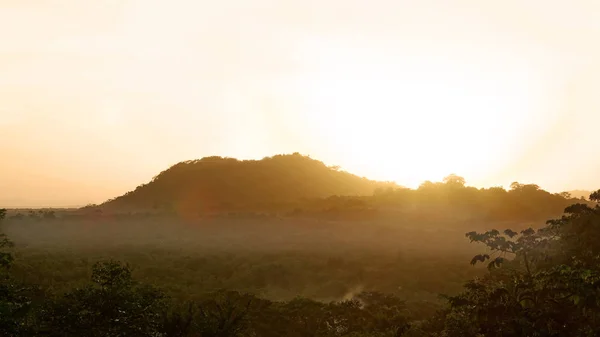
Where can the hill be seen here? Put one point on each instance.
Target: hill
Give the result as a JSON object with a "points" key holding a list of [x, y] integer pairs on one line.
{"points": [[580, 194], [215, 184]]}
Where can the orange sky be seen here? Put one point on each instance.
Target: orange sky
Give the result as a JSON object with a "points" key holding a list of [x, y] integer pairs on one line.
{"points": [[97, 97]]}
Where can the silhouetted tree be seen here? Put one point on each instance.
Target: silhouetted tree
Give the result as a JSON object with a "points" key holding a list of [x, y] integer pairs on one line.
{"points": [[6, 257], [565, 195], [543, 282], [454, 180]]}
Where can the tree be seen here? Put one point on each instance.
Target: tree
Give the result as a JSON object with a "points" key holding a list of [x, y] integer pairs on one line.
{"points": [[455, 180], [565, 195], [518, 187], [543, 282], [6, 258], [179, 321], [224, 314], [15, 298], [595, 196], [112, 305]]}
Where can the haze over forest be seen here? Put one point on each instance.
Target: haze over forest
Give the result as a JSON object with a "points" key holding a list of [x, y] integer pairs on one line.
{"points": [[286, 245], [317, 168], [96, 98]]}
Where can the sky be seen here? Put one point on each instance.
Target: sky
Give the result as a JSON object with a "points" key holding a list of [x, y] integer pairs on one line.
{"points": [[97, 97]]}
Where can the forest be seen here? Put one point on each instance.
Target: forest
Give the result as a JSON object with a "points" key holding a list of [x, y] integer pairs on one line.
{"points": [[287, 246]]}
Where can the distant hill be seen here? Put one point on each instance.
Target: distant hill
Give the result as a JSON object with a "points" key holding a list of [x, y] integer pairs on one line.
{"points": [[214, 184], [580, 193]]}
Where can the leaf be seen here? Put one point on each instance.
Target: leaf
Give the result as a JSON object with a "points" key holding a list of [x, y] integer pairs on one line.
{"points": [[496, 263], [480, 258]]}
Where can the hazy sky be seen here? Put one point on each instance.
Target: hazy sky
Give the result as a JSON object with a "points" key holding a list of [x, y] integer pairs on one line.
{"points": [[97, 97]]}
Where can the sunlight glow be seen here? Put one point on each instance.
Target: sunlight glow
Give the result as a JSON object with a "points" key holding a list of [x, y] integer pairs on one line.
{"points": [[104, 95], [415, 119]]}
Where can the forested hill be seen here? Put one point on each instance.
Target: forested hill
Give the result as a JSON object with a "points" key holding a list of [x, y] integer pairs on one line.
{"points": [[222, 184]]}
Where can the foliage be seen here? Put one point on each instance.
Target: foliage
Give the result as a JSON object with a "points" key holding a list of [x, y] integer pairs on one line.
{"points": [[550, 287], [234, 279], [113, 305], [16, 303], [15, 298], [224, 314], [6, 258]]}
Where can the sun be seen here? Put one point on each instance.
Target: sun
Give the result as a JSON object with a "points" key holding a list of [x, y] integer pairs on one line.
{"points": [[415, 119]]}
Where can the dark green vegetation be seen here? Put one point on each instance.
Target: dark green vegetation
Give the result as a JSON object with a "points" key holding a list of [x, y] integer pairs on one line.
{"points": [[314, 265]]}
